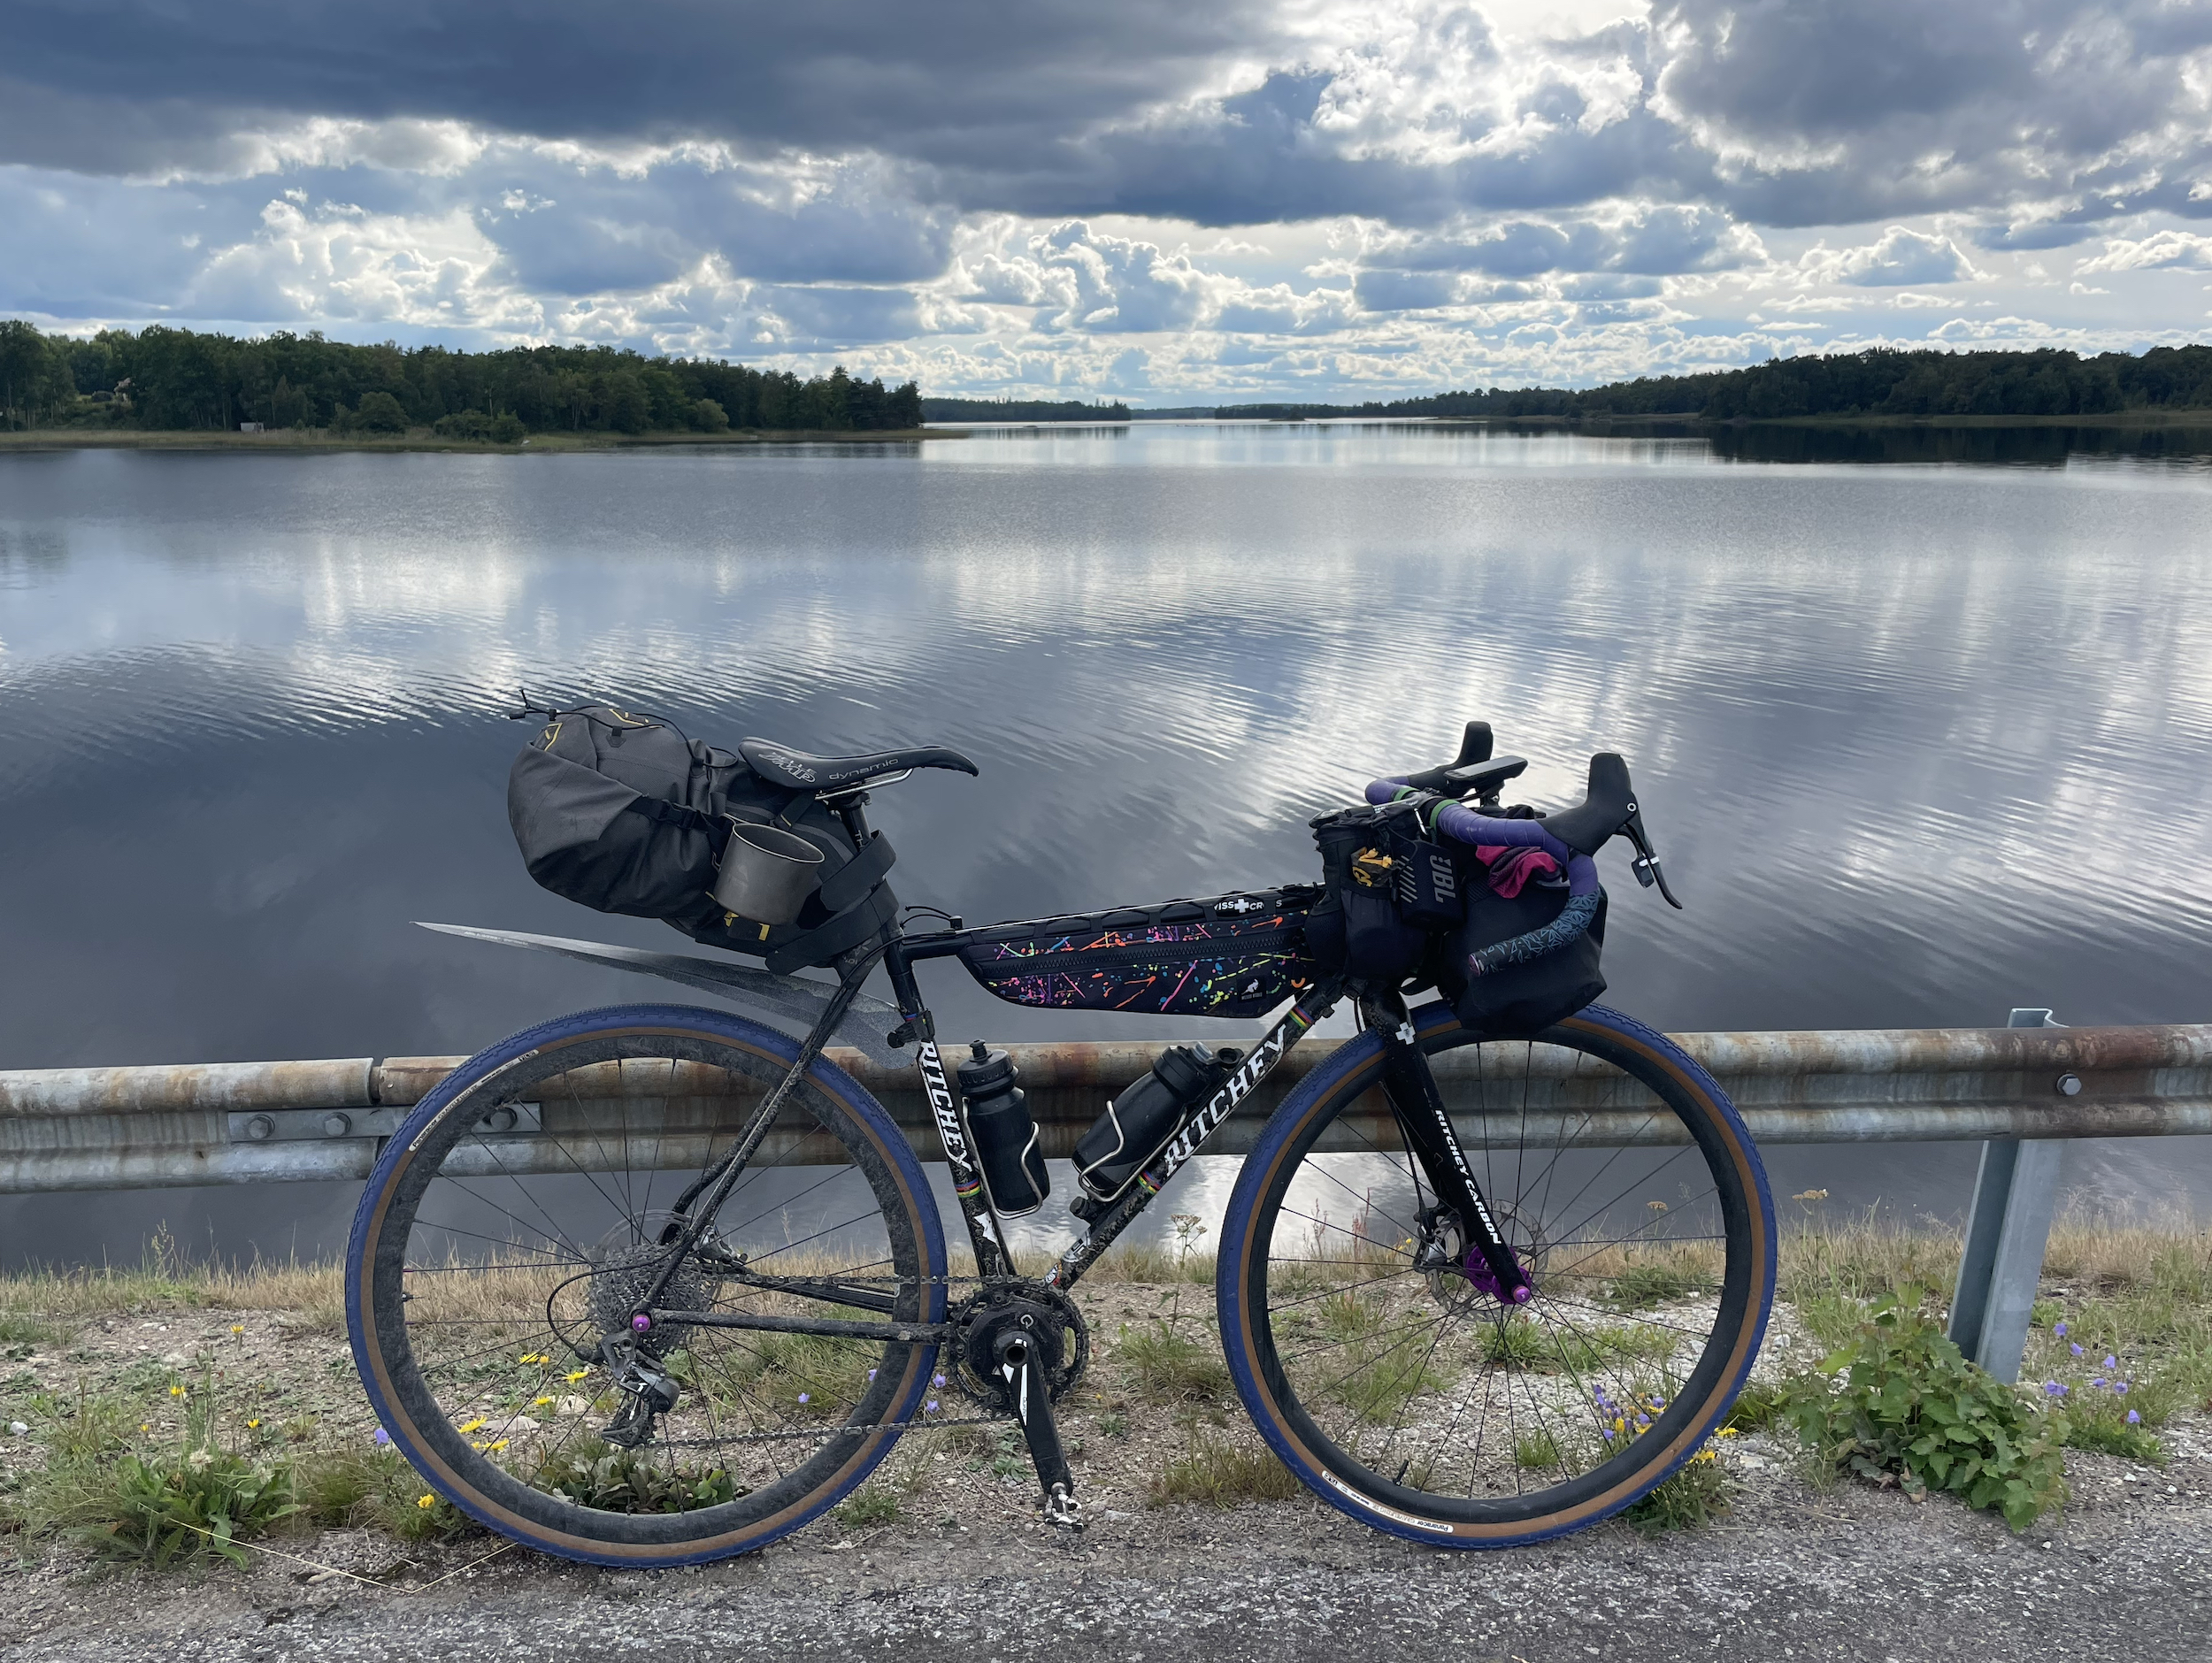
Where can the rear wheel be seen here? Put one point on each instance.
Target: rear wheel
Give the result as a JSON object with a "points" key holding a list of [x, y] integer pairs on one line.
{"points": [[513, 1224], [1411, 1398]]}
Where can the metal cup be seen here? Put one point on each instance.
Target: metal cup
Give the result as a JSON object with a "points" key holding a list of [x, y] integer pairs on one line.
{"points": [[766, 874]]}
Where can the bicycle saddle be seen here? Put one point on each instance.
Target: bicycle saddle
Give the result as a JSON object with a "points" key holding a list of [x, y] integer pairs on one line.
{"points": [[796, 770]]}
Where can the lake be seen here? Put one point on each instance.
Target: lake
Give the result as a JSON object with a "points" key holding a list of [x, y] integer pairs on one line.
{"points": [[1921, 733]]}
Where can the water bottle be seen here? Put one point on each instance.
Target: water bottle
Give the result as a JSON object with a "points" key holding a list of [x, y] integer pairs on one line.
{"points": [[1006, 1151]]}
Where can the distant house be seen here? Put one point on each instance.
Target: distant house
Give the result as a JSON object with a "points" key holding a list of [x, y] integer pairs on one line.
{"points": [[250, 427]]}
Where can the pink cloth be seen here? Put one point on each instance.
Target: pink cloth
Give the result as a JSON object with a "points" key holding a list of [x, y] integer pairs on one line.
{"points": [[1511, 868]]}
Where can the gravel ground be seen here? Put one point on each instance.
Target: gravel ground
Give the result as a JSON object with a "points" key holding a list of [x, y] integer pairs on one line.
{"points": [[1796, 1572]]}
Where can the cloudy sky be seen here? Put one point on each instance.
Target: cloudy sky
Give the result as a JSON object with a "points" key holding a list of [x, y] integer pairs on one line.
{"points": [[1169, 200]]}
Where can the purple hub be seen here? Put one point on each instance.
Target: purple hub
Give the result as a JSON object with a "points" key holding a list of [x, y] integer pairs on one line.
{"points": [[1485, 1280], [641, 1322]]}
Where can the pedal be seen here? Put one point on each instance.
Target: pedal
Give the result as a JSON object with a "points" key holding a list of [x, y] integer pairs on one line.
{"points": [[1063, 1510]]}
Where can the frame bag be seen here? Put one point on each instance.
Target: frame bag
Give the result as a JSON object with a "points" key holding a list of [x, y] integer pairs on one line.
{"points": [[624, 814], [1234, 956]]}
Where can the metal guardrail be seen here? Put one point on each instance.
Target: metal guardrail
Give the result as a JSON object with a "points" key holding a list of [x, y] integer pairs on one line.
{"points": [[260, 1122], [2022, 1089]]}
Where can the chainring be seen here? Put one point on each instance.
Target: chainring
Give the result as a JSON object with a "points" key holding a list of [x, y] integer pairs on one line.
{"points": [[1056, 1327]]}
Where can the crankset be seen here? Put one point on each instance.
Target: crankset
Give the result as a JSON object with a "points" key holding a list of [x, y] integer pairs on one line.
{"points": [[1036, 1309], [1017, 1347]]}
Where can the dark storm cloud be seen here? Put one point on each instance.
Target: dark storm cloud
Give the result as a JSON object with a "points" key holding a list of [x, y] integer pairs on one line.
{"points": [[1787, 112], [951, 81], [1848, 109]]}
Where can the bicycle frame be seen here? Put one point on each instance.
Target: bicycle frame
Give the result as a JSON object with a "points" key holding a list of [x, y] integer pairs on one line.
{"points": [[985, 1230]]}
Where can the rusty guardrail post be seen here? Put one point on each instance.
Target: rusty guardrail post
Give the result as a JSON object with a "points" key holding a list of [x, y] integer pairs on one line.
{"points": [[2016, 1192]]}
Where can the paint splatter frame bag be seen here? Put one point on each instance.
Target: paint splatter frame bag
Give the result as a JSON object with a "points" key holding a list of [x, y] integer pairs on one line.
{"points": [[1232, 955]]}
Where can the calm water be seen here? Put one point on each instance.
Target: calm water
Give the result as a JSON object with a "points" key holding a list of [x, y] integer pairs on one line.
{"points": [[1919, 742]]}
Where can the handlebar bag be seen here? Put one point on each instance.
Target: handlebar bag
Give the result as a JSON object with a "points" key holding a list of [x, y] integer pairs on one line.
{"points": [[1523, 999], [624, 814], [1365, 926], [1234, 956]]}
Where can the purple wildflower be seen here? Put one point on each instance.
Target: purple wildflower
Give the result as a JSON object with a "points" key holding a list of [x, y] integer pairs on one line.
{"points": [[1608, 1435], [2110, 1362], [2054, 1388], [2134, 1418], [937, 1380], [382, 1437], [802, 1397], [2077, 1350], [2121, 1386], [930, 1407], [872, 1374], [2060, 1330]]}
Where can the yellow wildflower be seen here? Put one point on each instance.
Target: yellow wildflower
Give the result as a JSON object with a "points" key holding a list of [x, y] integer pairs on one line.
{"points": [[575, 1375], [253, 1425], [1728, 1432], [176, 1392], [237, 1328], [498, 1446], [425, 1502], [539, 1403], [475, 1425]]}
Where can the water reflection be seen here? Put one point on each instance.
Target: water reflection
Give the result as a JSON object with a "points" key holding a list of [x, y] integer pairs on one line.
{"points": [[1919, 744]]}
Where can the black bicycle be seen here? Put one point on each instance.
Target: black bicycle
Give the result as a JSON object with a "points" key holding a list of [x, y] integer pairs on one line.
{"points": [[1489, 1273]]}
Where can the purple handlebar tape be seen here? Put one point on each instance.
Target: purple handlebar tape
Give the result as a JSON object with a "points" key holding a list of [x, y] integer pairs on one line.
{"points": [[1463, 825]]}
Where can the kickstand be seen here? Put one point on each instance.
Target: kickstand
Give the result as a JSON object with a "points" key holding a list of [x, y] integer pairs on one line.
{"points": [[1018, 1366]]}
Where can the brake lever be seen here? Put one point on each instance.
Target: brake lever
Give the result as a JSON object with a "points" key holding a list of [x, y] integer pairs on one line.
{"points": [[1646, 865]]}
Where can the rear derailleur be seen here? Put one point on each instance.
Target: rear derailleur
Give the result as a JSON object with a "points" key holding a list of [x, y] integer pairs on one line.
{"points": [[648, 1392]]}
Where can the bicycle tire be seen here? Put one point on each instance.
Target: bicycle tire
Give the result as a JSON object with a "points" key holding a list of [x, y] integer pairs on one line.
{"points": [[1321, 1430], [422, 1406]]}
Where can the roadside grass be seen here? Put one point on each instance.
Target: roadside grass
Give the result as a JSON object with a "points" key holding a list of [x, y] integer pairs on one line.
{"points": [[1215, 1470], [1168, 1365]]}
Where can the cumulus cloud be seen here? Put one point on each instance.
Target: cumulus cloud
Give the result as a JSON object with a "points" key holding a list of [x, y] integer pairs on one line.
{"points": [[1902, 256], [2164, 251]]}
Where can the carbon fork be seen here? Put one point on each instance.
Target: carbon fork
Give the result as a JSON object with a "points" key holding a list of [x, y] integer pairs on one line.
{"points": [[1410, 1084]]}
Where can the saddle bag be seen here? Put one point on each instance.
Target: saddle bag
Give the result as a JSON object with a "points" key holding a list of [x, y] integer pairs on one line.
{"points": [[1232, 955], [623, 813]]}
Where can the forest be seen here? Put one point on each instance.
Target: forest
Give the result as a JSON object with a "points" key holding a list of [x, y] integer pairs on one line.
{"points": [[1021, 410], [162, 378], [1881, 381]]}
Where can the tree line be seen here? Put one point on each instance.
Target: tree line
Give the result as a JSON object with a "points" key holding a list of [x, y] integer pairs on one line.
{"points": [[1881, 381], [1021, 410], [164, 377]]}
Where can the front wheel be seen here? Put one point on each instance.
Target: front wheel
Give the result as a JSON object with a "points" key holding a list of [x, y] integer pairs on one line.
{"points": [[515, 1222], [1411, 1398]]}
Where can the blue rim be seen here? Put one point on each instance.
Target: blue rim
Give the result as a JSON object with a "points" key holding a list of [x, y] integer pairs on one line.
{"points": [[826, 1075]]}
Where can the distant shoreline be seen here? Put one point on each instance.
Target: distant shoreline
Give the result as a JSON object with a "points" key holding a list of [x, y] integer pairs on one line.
{"points": [[320, 440], [2111, 418]]}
